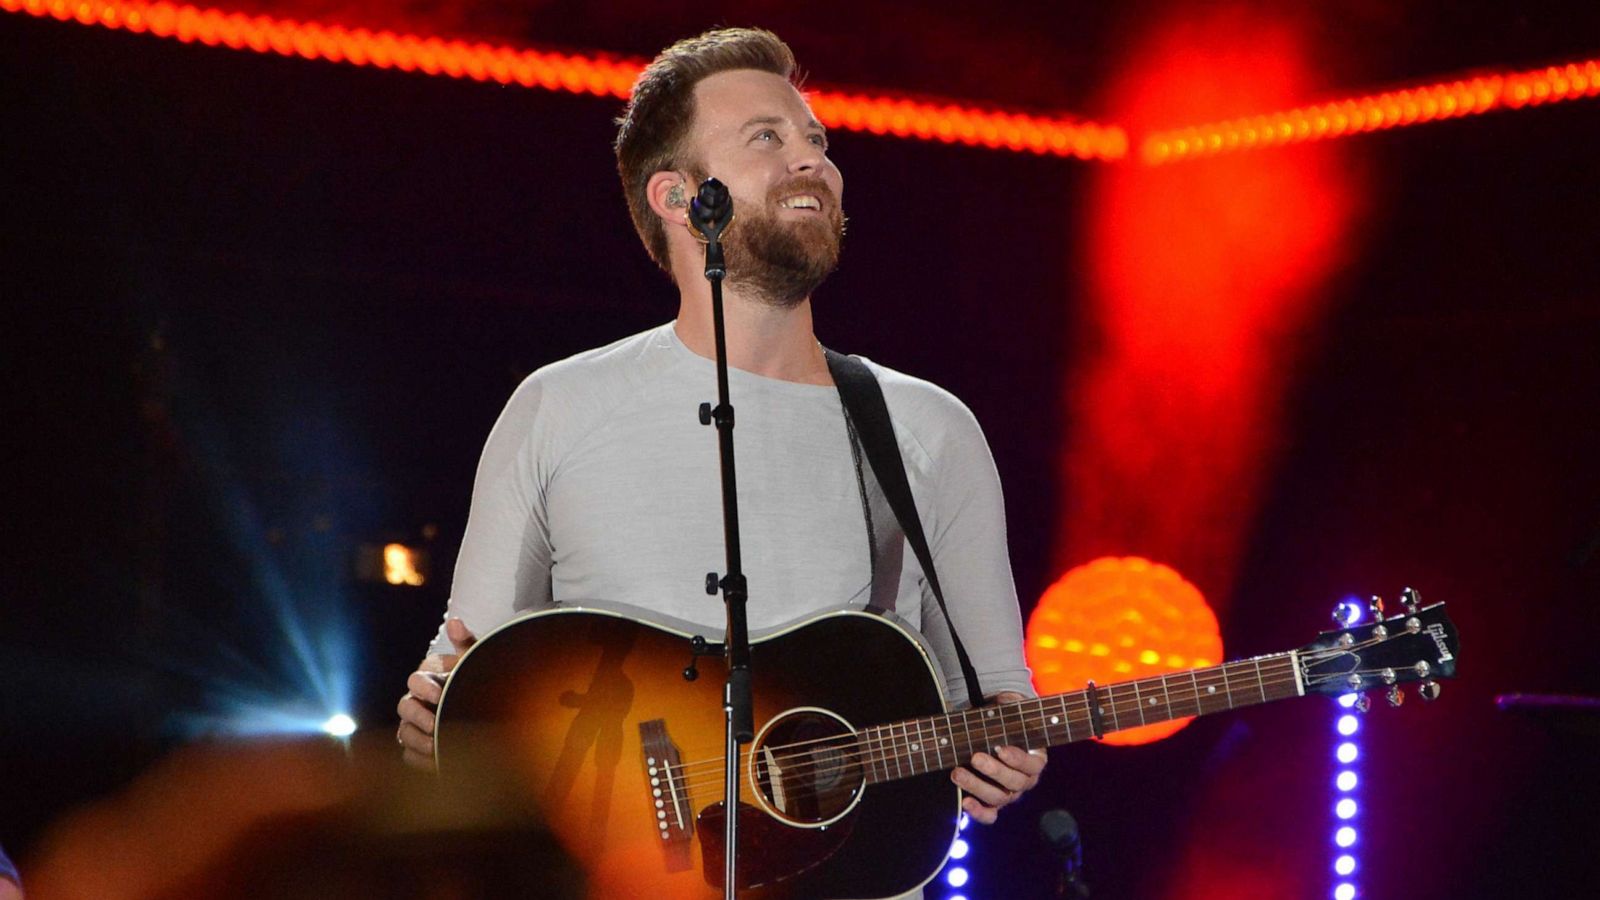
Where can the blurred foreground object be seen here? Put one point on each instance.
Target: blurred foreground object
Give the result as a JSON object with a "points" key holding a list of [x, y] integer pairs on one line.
{"points": [[301, 819]]}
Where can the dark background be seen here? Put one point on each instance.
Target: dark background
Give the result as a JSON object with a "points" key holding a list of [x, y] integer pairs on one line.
{"points": [[260, 311]]}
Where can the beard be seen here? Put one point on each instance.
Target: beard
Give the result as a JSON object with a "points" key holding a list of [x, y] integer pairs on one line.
{"points": [[781, 263]]}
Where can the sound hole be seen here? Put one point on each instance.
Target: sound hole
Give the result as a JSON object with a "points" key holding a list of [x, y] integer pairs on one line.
{"points": [[807, 766]]}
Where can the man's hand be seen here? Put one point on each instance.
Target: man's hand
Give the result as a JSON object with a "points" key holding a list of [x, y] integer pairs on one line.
{"points": [[423, 690], [1007, 776]]}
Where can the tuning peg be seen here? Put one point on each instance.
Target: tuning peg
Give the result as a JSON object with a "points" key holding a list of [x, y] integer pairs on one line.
{"points": [[1411, 600], [1394, 695], [1363, 703], [1428, 690], [1375, 604]]}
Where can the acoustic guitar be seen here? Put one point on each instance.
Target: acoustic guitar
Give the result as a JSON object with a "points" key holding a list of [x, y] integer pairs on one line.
{"points": [[844, 790]]}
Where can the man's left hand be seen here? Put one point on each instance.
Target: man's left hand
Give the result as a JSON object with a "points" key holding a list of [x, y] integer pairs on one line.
{"points": [[1007, 775]]}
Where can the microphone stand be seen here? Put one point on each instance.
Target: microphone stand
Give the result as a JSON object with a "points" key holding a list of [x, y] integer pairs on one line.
{"points": [[711, 212]]}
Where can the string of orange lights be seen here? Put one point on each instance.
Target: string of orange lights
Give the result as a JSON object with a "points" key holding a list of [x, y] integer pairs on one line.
{"points": [[1375, 112], [948, 122]]}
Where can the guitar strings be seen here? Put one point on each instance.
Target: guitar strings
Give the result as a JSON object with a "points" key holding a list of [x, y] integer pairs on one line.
{"points": [[905, 739], [892, 748], [862, 749], [892, 756], [895, 749]]}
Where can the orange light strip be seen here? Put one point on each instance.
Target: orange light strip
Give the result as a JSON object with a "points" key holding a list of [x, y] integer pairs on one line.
{"points": [[598, 75], [1375, 112]]}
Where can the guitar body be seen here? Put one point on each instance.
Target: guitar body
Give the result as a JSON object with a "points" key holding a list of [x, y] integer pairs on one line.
{"points": [[621, 755]]}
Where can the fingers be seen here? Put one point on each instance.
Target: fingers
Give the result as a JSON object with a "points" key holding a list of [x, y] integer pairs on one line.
{"points": [[997, 780], [990, 795], [416, 713], [456, 631], [985, 815], [416, 747], [1028, 762], [414, 740], [425, 686]]}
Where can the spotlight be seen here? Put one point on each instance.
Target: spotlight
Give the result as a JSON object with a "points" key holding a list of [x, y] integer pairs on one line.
{"points": [[340, 725]]}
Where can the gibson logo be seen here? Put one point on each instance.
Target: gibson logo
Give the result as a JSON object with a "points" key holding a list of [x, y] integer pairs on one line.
{"points": [[1437, 631]]}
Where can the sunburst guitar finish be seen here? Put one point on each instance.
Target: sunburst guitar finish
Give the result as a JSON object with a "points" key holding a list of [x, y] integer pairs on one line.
{"points": [[622, 755]]}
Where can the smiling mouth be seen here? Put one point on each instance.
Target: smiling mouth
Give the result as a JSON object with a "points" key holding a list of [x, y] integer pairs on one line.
{"points": [[802, 201]]}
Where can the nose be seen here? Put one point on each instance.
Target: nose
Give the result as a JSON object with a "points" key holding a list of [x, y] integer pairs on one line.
{"points": [[809, 159]]}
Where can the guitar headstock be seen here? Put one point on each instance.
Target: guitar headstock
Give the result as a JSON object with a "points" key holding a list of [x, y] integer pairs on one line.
{"points": [[1419, 645]]}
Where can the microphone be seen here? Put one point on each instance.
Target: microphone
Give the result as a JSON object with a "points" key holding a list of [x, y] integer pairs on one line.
{"points": [[1059, 831], [711, 210]]}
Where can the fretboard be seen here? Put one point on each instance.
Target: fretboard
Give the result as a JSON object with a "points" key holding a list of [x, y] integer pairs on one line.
{"points": [[936, 743]]}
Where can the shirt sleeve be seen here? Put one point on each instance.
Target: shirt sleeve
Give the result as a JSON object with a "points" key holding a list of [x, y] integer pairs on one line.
{"points": [[963, 517], [503, 568]]}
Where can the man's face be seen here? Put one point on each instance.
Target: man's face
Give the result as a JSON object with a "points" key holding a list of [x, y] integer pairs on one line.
{"points": [[753, 131]]}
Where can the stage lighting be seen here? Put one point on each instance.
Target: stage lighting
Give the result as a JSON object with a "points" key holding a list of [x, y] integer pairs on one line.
{"points": [[1345, 836], [1345, 809], [1345, 864], [1347, 753], [1346, 781], [401, 565], [1347, 700], [340, 725], [959, 849], [956, 877], [398, 564], [1348, 725], [1345, 891]]}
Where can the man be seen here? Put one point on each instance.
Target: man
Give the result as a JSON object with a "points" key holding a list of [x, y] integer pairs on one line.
{"points": [[598, 484]]}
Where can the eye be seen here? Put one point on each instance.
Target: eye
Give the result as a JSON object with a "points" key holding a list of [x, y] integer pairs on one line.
{"points": [[820, 140], [766, 135]]}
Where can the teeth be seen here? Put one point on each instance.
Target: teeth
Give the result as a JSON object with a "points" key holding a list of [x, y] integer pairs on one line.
{"points": [[804, 202]]}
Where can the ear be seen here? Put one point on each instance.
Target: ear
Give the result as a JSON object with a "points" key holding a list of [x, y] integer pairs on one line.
{"points": [[672, 207]]}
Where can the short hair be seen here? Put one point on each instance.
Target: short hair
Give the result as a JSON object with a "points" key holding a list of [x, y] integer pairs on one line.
{"points": [[661, 109]]}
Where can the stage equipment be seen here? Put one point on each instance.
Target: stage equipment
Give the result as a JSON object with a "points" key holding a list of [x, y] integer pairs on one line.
{"points": [[710, 213], [1059, 831], [849, 796]]}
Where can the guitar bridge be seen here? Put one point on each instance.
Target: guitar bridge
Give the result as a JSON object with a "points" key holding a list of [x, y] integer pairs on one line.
{"points": [[668, 793]]}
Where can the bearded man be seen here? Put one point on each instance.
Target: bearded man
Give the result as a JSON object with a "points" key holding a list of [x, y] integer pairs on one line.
{"points": [[598, 484]]}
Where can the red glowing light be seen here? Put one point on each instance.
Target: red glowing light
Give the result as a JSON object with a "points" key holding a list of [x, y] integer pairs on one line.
{"points": [[599, 75], [1117, 619], [1375, 112]]}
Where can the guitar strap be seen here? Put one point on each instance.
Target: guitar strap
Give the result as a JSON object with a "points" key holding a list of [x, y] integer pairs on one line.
{"points": [[865, 407]]}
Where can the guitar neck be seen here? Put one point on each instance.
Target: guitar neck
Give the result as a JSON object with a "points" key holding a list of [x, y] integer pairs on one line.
{"points": [[936, 743]]}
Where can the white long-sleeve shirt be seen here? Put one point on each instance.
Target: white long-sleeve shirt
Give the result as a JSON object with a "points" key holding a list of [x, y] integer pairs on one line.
{"points": [[598, 483]]}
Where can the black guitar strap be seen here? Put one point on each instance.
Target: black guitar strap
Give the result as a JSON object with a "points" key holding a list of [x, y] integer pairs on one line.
{"points": [[864, 405]]}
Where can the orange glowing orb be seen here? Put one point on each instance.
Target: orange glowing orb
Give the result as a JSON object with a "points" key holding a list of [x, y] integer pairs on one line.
{"points": [[1118, 619]]}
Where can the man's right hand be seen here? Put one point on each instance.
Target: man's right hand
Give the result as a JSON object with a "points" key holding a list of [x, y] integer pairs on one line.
{"points": [[423, 690]]}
